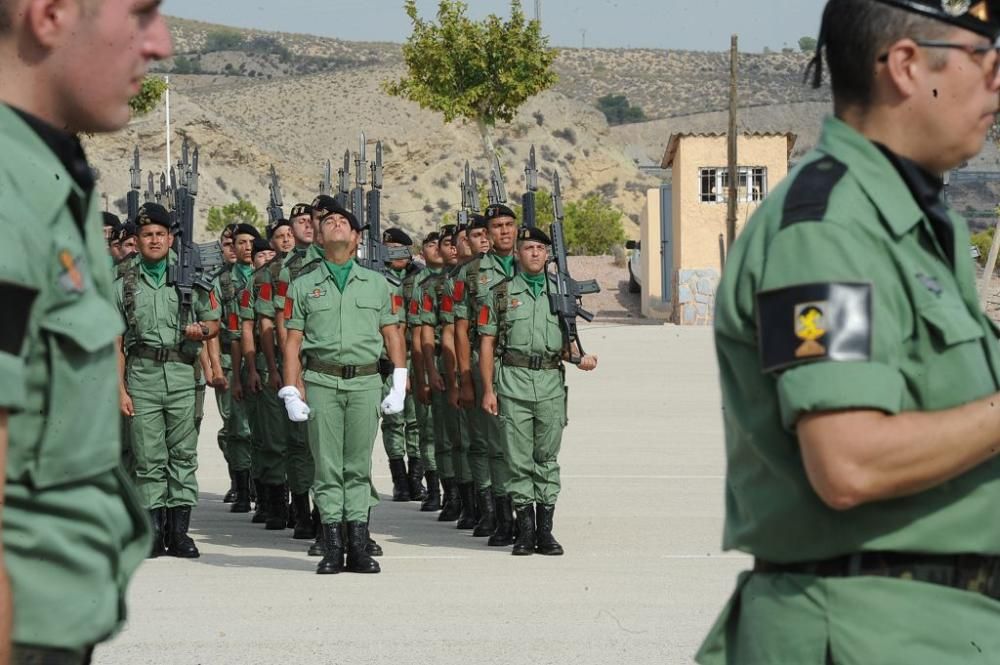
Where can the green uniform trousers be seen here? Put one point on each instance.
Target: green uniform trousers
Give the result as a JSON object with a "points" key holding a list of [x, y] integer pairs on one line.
{"points": [[165, 446], [425, 428], [532, 434], [237, 433], [199, 406], [252, 407], [442, 440], [400, 432], [478, 446], [271, 435], [458, 426], [342, 429], [299, 466], [224, 402]]}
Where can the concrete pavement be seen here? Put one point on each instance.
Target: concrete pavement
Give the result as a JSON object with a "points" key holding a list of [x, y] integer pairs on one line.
{"points": [[640, 517]]}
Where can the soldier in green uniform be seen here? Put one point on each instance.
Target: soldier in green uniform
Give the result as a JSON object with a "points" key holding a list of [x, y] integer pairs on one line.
{"points": [[341, 316], [468, 382], [420, 382], [225, 293], [72, 530], [521, 354], [400, 433], [157, 389], [112, 227], [242, 443], [859, 374]]}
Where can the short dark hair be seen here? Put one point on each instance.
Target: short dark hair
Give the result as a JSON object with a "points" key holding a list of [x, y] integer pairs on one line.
{"points": [[856, 33], [5, 20]]}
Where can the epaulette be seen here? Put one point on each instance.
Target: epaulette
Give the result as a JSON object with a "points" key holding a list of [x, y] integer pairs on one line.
{"points": [[809, 194]]}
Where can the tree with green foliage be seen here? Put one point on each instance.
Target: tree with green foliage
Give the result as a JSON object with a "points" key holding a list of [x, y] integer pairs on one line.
{"points": [[807, 44], [185, 65], [223, 40], [240, 211], [150, 94], [982, 241], [618, 111], [482, 71], [591, 226]]}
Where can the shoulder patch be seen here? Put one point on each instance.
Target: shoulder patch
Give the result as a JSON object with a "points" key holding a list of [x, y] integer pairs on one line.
{"points": [[814, 322], [809, 194]]}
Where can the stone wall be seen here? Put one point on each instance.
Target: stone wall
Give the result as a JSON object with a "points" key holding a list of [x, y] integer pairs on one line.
{"points": [[695, 289]]}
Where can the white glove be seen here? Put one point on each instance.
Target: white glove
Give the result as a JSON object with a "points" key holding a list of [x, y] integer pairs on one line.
{"points": [[298, 410], [396, 400]]}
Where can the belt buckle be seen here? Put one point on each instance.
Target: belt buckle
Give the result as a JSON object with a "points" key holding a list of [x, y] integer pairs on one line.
{"points": [[535, 362], [162, 355], [349, 372]]}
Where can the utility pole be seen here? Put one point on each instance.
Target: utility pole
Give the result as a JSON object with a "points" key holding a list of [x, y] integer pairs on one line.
{"points": [[583, 38], [733, 167], [538, 10]]}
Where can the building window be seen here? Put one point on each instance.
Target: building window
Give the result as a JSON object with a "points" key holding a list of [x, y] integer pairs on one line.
{"points": [[752, 185]]}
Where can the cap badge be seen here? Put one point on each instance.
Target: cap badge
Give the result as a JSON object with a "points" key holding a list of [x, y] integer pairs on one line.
{"points": [[955, 7]]}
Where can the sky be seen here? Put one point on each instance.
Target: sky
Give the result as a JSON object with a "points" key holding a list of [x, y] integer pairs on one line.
{"points": [[702, 25]]}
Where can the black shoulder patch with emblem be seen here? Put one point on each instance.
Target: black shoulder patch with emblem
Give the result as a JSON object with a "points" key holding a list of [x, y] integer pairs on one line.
{"points": [[809, 194], [829, 321], [17, 301]]}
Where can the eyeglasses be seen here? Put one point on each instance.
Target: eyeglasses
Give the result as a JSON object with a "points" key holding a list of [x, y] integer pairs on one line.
{"points": [[974, 52]]}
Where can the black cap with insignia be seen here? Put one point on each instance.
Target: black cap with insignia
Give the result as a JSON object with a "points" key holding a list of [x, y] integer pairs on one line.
{"points": [[244, 229], [337, 209], [323, 203], [431, 237], [499, 210], [447, 233], [277, 225], [260, 245], [111, 219], [153, 213], [127, 231], [300, 209], [534, 233], [398, 236], [477, 221]]}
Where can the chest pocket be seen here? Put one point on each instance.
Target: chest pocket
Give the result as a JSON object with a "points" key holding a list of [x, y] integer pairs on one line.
{"points": [[320, 304], [369, 308], [950, 324], [519, 324]]}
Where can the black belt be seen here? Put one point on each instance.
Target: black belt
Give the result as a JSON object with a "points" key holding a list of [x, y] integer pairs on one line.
{"points": [[161, 355], [26, 655], [516, 359], [341, 371], [968, 572]]}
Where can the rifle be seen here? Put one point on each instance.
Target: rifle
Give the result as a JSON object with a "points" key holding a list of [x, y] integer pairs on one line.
{"points": [[530, 187], [344, 181], [326, 184], [566, 299], [498, 191], [377, 256], [150, 194], [467, 196], [360, 180], [132, 198], [187, 274], [274, 205]]}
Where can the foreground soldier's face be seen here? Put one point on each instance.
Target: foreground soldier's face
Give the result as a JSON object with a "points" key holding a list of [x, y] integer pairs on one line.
{"points": [[503, 230], [228, 251], [336, 230], [302, 229], [479, 239], [432, 253], [244, 247], [154, 242], [532, 256], [283, 240], [448, 251], [99, 52]]}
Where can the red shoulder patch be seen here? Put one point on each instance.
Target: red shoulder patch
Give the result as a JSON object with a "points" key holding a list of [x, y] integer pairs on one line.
{"points": [[447, 304], [289, 303], [414, 307], [234, 322], [397, 303], [484, 315], [282, 289], [245, 298], [212, 302], [265, 292], [428, 303], [459, 290]]}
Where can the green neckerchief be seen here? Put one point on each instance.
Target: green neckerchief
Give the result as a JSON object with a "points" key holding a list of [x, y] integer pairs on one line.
{"points": [[507, 263], [156, 271], [400, 274], [339, 273], [536, 282], [244, 270]]}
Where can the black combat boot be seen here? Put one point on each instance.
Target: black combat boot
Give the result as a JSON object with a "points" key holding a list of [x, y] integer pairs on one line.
{"points": [[373, 548], [452, 506], [400, 485], [504, 533], [261, 507], [358, 560], [316, 549], [467, 518], [333, 550], [487, 523], [525, 543], [158, 516], [417, 490], [304, 529], [545, 542], [277, 514], [242, 502], [181, 544], [231, 494], [433, 501]]}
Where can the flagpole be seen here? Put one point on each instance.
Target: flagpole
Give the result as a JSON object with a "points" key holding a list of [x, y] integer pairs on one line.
{"points": [[167, 171]]}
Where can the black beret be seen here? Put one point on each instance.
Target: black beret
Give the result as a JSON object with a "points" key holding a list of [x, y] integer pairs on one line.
{"points": [[447, 231], [153, 213], [397, 235], [128, 230], [338, 209], [533, 233], [461, 228], [980, 16], [277, 225], [499, 210], [260, 245], [477, 221], [300, 209], [324, 202], [245, 229], [433, 236], [111, 219]]}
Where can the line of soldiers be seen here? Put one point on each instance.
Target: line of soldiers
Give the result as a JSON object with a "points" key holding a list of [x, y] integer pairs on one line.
{"points": [[461, 355]]}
